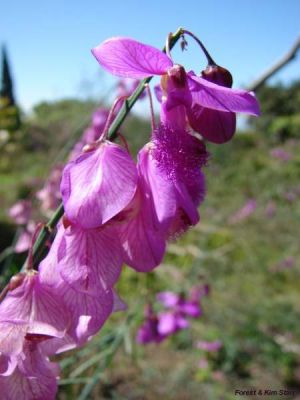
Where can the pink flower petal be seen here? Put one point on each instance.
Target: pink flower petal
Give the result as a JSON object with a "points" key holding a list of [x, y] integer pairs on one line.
{"points": [[168, 299], [34, 378], [167, 323], [98, 185], [7, 364], [88, 312], [128, 58], [34, 305], [210, 95], [90, 260], [160, 187], [143, 244]]}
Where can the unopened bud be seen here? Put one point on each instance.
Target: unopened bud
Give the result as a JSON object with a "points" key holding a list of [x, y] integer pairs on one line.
{"points": [[16, 281], [218, 75], [90, 147]]}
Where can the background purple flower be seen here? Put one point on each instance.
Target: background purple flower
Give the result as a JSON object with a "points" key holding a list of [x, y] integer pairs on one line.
{"points": [[20, 212], [210, 347], [281, 154], [244, 212]]}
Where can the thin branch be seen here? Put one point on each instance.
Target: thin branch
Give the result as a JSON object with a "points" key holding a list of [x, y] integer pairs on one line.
{"points": [[291, 55]]}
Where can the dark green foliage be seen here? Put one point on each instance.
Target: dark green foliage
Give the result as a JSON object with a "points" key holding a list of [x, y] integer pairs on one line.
{"points": [[6, 89], [9, 113], [280, 106]]}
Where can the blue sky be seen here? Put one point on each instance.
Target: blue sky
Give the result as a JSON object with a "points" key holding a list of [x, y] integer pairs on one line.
{"points": [[49, 42]]}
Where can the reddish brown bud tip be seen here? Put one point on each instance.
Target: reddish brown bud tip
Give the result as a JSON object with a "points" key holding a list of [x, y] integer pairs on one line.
{"points": [[218, 75], [36, 338], [16, 281], [66, 222], [178, 75], [90, 147]]}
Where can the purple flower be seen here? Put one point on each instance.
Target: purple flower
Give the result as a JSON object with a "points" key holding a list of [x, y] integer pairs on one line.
{"points": [[148, 332], [49, 195], [171, 163], [98, 185], [92, 133], [89, 260], [171, 322], [99, 119], [210, 347], [286, 263], [30, 311], [24, 240], [20, 212], [281, 154], [210, 104], [291, 194], [244, 212], [141, 235], [270, 209], [34, 376], [88, 311], [170, 189], [203, 363], [182, 306], [126, 87], [179, 309]]}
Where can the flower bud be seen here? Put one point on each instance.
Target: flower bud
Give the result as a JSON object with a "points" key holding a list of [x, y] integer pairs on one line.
{"points": [[218, 75], [16, 281], [90, 147]]}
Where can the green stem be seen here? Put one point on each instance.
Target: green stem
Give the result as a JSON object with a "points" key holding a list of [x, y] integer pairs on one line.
{"points": [[39, 246]]}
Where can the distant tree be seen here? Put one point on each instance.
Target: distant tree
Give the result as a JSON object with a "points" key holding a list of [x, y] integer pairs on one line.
{"points": [[9, 112], [280, 111], [6, 90]]}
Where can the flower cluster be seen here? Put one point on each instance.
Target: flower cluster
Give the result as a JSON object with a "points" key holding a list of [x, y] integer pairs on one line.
{"points": [[177, 309], [117, 211]]}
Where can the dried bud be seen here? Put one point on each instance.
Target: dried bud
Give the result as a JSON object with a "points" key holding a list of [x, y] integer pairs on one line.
{"points": [[218, 75], [16, 281], [90, 147]]}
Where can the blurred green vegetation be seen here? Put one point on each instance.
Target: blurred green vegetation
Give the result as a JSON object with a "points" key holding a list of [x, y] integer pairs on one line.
{"points": [[253, 307]]}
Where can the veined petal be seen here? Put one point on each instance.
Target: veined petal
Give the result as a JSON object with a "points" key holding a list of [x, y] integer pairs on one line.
{"points": [[210, 95], [143, 242], [12, 337], [158, 185], [128, 58], [90, 260], [7, 364], [30, 310], [98, 185], [33, 378], [88, 312]]}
